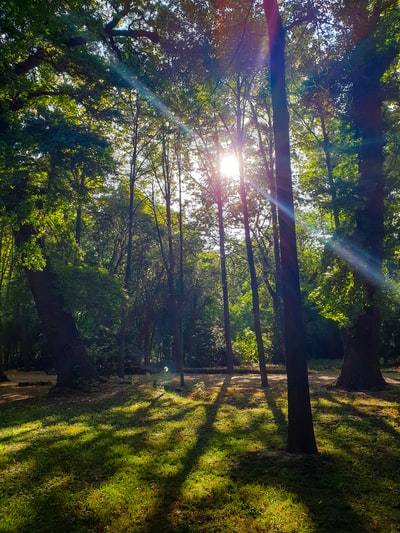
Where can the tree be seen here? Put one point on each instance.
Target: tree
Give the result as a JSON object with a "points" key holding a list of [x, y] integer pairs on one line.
{"points": [[248, 240], [164, 176], [300, 425], [369, 60], [35, 58]]}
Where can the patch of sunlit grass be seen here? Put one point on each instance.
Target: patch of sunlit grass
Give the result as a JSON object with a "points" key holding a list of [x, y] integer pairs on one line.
{"points": [[209, 459]]}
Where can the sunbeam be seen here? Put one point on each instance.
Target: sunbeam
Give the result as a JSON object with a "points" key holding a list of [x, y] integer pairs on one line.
{"points": [[359, 260], [152, 98]]}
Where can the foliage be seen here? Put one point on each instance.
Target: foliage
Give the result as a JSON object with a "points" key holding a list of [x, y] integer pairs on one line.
{"points": [[245, 347], [338, 296], [72, 76]]}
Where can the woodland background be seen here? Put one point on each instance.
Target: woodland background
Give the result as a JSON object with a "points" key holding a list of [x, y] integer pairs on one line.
{"points": [[120, 229]]}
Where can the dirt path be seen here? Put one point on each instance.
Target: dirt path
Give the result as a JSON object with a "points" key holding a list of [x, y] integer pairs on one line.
{"points": [[32, 385]]}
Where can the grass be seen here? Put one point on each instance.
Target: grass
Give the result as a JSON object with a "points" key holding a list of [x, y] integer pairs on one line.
{"points": [[136, 458]]}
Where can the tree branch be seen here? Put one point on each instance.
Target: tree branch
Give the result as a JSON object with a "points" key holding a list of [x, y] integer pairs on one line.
{"points": [[38, 55], [151, 35], [33, 60]]}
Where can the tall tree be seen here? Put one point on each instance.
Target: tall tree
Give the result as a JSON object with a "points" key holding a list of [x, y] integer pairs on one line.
{"points": [[300, 424], [48, 62], [164, 174], [373, 49], [240, 116]]}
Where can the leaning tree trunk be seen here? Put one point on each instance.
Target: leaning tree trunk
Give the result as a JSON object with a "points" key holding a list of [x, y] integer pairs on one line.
{"points": [[72, 363], [360, 369], [300, 424]]}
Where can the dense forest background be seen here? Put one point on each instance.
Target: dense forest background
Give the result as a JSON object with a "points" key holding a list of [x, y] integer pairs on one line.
{"points": [[139, 215]]}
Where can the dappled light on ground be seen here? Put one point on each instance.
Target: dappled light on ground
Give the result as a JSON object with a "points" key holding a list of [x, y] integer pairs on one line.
{"points": [[144, 455]]}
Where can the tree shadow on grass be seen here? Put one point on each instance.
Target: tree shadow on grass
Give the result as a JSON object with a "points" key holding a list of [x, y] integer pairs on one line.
{"points": [[63, 453], [171, 486], [313, 481], [278, 414]]}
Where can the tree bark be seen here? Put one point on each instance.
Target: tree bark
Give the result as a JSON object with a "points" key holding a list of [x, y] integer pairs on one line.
{"points": [[128, 266], [360, 369], [71, 361], [278, 354], [224, 279], [249, 246], [301, 437]]}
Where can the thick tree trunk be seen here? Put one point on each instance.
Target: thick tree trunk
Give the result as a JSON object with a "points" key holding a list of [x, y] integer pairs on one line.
{"points": [[3, 376], [300, 424], [71, 361], [360, 369]]}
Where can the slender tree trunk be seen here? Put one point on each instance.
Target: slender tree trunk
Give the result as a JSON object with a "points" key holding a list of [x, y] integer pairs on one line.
{"points": [[180, 287], [170, 263], [300, 424], [278, 355], [129, 248], [224, 278], [329, 166], [249, 246], [6, 269], [78, 224]]}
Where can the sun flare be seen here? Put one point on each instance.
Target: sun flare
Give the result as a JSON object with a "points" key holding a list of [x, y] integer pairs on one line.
{"points": [[229, 166]]}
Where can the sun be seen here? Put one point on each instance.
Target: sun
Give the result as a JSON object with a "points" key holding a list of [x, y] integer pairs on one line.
{"points": [[229, 166]]}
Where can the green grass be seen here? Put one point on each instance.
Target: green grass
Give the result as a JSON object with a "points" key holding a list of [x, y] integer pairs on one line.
{"points": [[139, 459]]}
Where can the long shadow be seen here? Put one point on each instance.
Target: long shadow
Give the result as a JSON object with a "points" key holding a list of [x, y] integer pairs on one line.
{"points": [[171, 486], [90, 455], [279, 416], [307, 476], [315, 482]]}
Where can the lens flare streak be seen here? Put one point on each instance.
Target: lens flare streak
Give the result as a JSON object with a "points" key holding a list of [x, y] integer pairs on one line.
{"points": [[358, 259]]}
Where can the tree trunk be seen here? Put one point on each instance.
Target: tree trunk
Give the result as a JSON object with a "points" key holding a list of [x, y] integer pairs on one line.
{"points": [[329, 165], [180, 284], [224, 279], [300, 424], [3, 376], [72, 363], [129, 248], [170, 263], [360, 369], [278, 354], [249, 246]]}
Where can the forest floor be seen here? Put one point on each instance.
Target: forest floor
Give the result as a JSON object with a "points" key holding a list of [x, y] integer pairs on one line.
{"points": [[36, 384], [143, 455]]}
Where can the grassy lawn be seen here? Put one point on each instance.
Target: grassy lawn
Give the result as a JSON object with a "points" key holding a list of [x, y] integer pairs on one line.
{"points": [[143, 458]]}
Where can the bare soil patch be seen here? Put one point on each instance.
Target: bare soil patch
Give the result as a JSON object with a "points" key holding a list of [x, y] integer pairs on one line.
{"points": [[38, 384]]}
